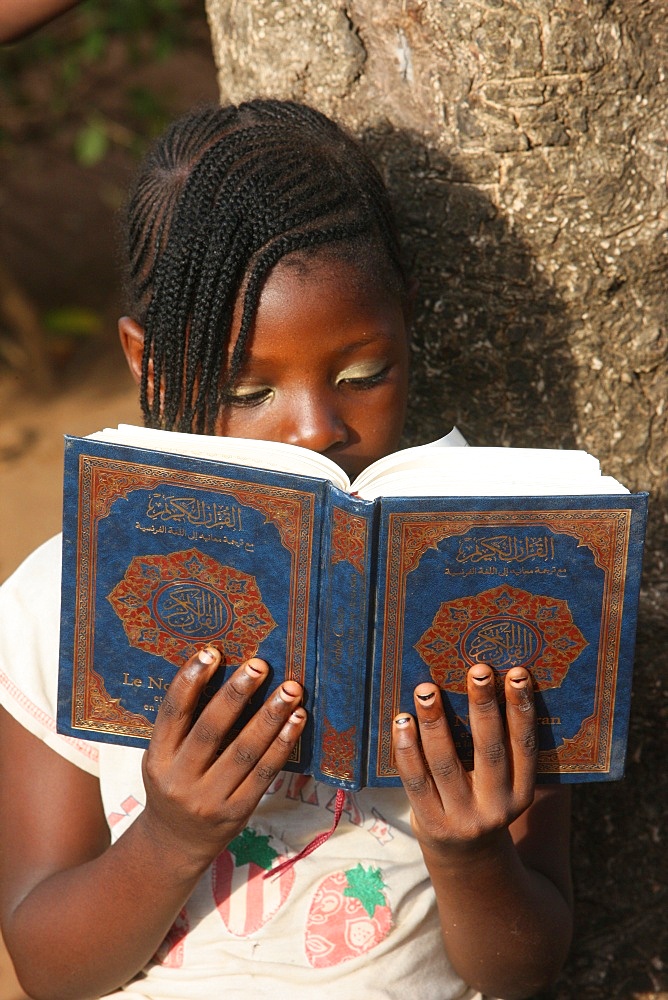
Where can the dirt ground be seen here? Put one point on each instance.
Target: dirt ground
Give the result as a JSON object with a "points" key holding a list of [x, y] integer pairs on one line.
{"points": [[57, 233]]}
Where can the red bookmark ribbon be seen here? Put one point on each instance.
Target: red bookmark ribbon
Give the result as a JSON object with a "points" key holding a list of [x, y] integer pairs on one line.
{"points": [[315, 843]]}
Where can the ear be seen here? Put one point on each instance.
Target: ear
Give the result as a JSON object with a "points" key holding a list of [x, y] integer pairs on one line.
{"points": [[132, 341]]}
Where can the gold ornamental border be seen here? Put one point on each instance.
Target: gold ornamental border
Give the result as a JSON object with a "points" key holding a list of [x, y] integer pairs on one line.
{"points": [[605, 532], [102, 481]]}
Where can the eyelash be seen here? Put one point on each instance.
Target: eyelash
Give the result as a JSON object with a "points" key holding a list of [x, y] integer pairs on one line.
{"points": [[368, 381], [250, 399]]}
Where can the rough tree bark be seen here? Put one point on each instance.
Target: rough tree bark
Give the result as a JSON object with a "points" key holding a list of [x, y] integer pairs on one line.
{"points": [[527, 144], [527, 147]]}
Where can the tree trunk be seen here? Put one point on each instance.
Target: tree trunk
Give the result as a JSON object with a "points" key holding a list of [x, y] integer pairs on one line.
{"points": [[527, 147]]}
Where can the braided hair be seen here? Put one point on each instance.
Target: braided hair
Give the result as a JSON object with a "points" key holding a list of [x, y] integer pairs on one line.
{"points": [[222, 198]]}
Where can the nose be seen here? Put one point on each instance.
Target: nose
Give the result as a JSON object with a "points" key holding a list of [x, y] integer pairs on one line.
{"points": [[314, 421]]}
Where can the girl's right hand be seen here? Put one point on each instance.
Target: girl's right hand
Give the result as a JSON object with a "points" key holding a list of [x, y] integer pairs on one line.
{"points": [[197, 797], [55, 836]]}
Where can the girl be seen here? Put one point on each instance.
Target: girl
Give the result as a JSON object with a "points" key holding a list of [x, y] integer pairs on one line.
{"points": [[268, 299]]}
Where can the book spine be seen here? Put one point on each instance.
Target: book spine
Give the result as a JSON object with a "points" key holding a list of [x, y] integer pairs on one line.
{"points": [[340, 702]]}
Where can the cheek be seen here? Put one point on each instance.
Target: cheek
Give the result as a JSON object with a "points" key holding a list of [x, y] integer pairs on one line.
{"points": [[398, 404], [263, 423], [381, 421], [241, 423]]}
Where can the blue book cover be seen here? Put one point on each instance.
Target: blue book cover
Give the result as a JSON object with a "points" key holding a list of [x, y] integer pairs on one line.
{"points": [[551, 584], [163, 554], [358, 600]]}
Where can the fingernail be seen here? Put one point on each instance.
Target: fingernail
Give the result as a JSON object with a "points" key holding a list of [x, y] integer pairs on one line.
{"points": [[424, 698], [207, 656], [481, 679], [403, 720], [521, 687], [253, 670], [298, 715], [289, 691]]}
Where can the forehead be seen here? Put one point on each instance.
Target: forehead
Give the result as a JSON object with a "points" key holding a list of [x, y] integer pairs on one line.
{"points": [[326, 302]]}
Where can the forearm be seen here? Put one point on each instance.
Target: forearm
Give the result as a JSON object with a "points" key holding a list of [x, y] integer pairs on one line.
{"points": [[506, 927], [496, 846], [85, 931], [93, 914]]}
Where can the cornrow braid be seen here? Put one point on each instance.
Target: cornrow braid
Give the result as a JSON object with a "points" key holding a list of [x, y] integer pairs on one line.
{"points": [[221, 199]]}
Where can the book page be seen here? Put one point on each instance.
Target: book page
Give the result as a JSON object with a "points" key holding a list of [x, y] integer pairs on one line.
{"points": [[407, 458], [486, 472], [271, 455], [447, 467]]}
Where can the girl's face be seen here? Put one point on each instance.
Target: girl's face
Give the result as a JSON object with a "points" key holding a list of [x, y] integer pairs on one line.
{"points": [[327, 365]]}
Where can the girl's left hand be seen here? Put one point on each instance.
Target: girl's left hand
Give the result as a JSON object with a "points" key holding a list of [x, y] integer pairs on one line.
{"points": [[453, 807]]}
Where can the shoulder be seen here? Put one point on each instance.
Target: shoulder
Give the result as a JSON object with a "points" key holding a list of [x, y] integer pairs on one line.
{"points": [[38, 574], [30, 609], [29, 647]]}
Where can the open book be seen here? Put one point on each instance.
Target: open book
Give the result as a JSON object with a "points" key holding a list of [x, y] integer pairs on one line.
{"points": [[434, 558]]}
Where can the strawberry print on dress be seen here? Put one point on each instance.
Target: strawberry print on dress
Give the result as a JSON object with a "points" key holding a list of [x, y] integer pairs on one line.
{"points": [[348, 917], [245, 899]]}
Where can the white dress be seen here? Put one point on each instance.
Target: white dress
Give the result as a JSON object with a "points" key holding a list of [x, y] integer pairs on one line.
{"points": [[357, 918]]}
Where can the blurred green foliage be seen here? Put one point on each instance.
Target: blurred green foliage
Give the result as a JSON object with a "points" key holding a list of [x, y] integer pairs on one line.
{"points": [[78, 88], [91, 142], [72, 321], [41, 76]]}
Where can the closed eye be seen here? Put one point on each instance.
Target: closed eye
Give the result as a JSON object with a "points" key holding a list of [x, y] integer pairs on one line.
{"points": [[364, 381], [247, 398]]}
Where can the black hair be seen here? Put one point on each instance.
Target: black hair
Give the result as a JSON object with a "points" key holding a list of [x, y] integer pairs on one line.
{"points": [[223, 196]]}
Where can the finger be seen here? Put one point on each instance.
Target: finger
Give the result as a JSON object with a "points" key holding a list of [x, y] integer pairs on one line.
{"points": [[218, 717], [522, 734], [175, 715], [258, 780], [438, 745], [413, 770], [244, 753], [491, 765]]}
